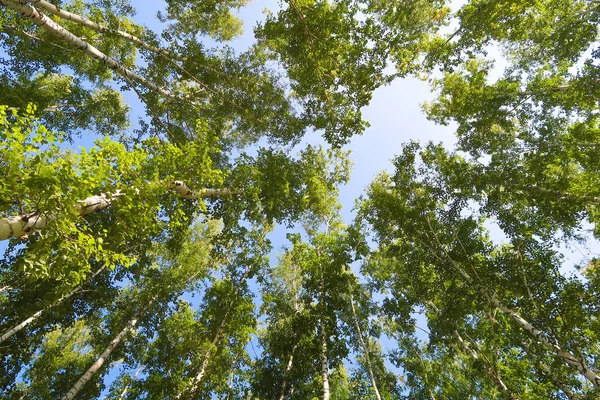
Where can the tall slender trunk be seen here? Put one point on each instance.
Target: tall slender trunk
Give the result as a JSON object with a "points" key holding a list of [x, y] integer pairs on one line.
{"points": [[233, 369], [23, 224], [101, 28], [133, 378], [28, 11], [490, 372], [365, 349], [288, 368], [200, 375], [580, 365], [98, 363], [16, 328], [324, 360]]}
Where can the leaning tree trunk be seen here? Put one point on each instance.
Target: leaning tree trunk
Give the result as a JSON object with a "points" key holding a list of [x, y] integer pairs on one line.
{"points": [[59, 12], [365, 349], [580, 365], [15, 329], [200, 375], [28, 11], [23, 224], [96, 365], [493, 375], [550, 375], [288, 368], [133, 378]]}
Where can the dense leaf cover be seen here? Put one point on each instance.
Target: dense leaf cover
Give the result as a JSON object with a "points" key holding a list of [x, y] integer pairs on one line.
{"points": [[138, 261]]}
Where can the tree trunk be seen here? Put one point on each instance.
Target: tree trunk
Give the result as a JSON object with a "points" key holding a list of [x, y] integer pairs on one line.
{"points": [[124, 392], [6, 335], [549, 374], [58, 31], [579, 365], [365, 349], [493, 375], [96, 365], [566, 356], [23, 224], [324, 360], [198, 378], [101, 28], [184, 191], [288, 368]]}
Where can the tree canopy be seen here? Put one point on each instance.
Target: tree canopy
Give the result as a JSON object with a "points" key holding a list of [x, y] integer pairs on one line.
{"points": [[148, 168]]}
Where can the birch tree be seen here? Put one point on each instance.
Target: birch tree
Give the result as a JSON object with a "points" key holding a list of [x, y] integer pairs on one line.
{"points": [[240, 94], [422, 220]]}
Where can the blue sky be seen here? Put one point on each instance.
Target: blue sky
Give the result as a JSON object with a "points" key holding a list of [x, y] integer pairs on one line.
{"points": [[395, 116]]}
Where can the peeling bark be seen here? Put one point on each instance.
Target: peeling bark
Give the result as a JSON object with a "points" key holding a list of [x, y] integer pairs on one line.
{"points": [[51, 8], [32, 13], [23, 224]]}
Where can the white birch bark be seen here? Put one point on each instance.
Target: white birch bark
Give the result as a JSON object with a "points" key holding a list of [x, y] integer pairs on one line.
{"points": [[15, 329], [198, 378], [365, 349], [324, 360], [51, 8], [23, 224], [580, 365], [288, 368], [133, 378], [324, 368], [184, 191], [29, 11], [98, 363], [550, 375], [490, 373], [20, 225], [493, 375]]}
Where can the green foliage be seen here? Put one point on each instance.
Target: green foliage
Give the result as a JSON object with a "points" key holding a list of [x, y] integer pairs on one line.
{"points": [[64, 356], [187, 271]]}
